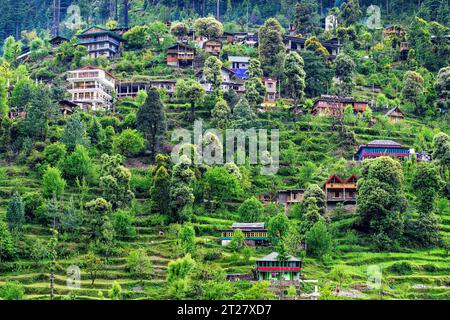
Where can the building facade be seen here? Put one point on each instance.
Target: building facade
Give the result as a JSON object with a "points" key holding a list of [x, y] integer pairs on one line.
{"points": [[101, 42], [334, 106], [213, 46], [255, 234], [239, 64], [271, 90], [272, 268], [338, 190], [382, 148], [180, 55], [131, 88], [395, 114], [91, 88]]}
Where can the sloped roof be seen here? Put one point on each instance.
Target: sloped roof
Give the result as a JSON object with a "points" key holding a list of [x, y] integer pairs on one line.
{"points": [[274, 257], [389, 143], [392, 110], [253, 225], [239, 59]]}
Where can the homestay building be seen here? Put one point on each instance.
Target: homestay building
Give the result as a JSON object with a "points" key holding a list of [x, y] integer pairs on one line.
{"points": [[395, 114], [382, 148], [131, 88], [212, 46], [91, 88], [255, 234], [338, 190], [289, 197], [239, 64], [271, 267], [229, 81], [295, 43], [180, 55], [271, 90], [334, 106], [101, 42]]}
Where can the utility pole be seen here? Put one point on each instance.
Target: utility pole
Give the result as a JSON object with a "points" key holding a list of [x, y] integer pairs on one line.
{"points": [[56, 17]]}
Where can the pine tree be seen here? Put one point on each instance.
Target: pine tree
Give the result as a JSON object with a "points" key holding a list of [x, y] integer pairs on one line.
{"points": [[160, 191], [243, 116], [151, 121], [295, 76], [271, 47], [15, 214], [74, 133], [220, 115], [181, 191], [306, 17]]}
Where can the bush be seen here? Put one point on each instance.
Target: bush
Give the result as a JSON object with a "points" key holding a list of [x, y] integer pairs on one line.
{"points": [[123, 225], [430, 267], [129, 143], [401, 268], [12, 291]]}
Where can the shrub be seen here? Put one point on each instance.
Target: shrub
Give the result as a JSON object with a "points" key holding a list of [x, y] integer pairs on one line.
{"points": [[401, 268], [12, 291], [429, 267], [123, 225], [129, 143]]}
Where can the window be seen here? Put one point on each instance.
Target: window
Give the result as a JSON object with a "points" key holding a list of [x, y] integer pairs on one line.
{"points": [[336, 194]]}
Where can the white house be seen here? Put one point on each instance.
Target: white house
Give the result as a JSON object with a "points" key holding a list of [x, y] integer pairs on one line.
{"points": [[91, 88]]}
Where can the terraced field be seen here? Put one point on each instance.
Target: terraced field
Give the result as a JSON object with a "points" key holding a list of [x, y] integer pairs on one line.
{"points": [[429, 277]]}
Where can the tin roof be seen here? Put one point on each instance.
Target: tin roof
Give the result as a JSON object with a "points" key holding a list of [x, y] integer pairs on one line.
{"points": [[253, 225], [274, 257]]}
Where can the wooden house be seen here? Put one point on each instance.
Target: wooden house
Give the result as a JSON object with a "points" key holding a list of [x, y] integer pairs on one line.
{"points": [[395, 114], [382, 148], [212, 46], [101, 42], [180, 55], [334, 106], [290, 196], [394, 30], [296, 43], [271, 90], [67, 107], [339, 190], [255, 234], [272, 268]]}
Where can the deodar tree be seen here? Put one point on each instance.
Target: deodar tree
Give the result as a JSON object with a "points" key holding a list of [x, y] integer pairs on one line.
{"points": [[294, 76]]}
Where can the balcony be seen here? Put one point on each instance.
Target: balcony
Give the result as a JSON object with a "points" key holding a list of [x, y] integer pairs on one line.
{"points": [[341, 199]]}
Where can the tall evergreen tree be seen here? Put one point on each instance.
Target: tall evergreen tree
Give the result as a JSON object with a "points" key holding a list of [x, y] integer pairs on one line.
{"points": [[160, 191], [151, 121], [271, 47], [294, 76], [306, 17], [15, 214]]}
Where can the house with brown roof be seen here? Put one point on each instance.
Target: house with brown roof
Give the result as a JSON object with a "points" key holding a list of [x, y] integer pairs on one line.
{"points": [[180, 55], [334, 105], [395, 114], [339, 190], [212, 46]]}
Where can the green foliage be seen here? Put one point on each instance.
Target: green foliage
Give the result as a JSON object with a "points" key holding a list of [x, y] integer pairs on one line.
{"points": [[278, 227], [78, 165], [151, 121], [12, 290], [53, 183], [220, 115], [7, 249], [318, 239], [15, 214], [221, 186], [128, 143], [93, 265], [74, 133], [243, 116], [208, 27], [250, 210], [115, 181], [381, 201], [237, 241], [55, 154], [115, 293], [271, 47], [181, 191], [139, 263], [124, 225], [186, 239], [401, 268]]}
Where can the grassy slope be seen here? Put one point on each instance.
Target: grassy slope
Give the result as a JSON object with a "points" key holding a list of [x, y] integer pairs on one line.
{"points": [[355, 257]]}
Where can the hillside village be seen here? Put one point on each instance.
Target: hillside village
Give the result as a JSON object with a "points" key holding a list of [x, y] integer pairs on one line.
{"points": [[93, 206]]}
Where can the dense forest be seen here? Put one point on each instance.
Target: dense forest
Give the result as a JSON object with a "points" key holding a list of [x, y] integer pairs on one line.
{"points": [[18, 16], [110, 190]]}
